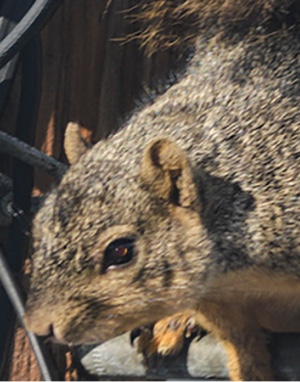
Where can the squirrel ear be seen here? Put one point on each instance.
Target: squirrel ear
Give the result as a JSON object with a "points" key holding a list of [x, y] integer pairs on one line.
{"points": [[75, 146], [166, 170]]}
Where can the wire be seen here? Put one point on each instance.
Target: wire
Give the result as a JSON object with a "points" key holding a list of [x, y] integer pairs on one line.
{"points": [[19, 38], [10, 286], [31, 155], [30, 25]]}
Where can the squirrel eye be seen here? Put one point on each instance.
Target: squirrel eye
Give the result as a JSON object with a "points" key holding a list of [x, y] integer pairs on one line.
{"points": [[119, 252]]}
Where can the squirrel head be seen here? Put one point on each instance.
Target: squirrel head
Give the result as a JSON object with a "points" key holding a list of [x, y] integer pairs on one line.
{"points": [[114, 244]]}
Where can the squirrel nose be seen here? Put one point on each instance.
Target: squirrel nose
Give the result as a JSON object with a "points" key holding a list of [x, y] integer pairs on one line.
{"points": [[41, 326]]}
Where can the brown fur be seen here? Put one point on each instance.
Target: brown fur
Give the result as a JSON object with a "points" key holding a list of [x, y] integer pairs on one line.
{"points": [[75, 146], [204, 182], [176, 23]]}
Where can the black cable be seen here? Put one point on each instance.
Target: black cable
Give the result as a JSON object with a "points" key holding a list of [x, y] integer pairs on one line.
{"points": [[17, 241], [24, 39], [30, 25], [30, 17], [21, 150], [22, 172], [12, 11]]}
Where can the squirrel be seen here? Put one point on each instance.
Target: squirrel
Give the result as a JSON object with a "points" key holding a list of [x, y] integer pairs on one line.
{"points": [[193, 206]]}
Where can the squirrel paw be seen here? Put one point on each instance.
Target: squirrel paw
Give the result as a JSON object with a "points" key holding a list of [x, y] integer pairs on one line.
{"points": [[167, 336]]}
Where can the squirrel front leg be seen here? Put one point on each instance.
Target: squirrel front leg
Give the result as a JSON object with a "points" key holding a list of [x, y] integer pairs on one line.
{"points": [[248, 357], [243, 340]]}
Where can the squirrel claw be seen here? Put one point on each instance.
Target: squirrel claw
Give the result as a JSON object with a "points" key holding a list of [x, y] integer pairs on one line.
{"points": [[141, 338], [167, 336]]}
